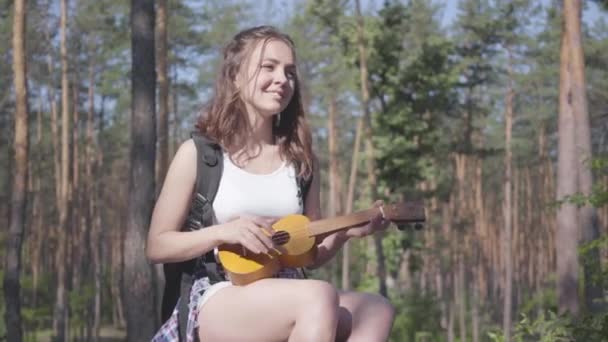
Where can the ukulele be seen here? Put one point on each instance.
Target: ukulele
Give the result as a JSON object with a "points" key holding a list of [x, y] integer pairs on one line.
{"points": [[295, 240]]}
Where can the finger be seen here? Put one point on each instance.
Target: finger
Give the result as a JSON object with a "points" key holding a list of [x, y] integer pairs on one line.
{"points": [[251, 248], [260, 222], [254, 244], [268, 230], [264, 241], [263, 237], [271, 221]]}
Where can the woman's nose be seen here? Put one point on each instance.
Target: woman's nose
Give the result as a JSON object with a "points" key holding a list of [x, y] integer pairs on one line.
{"points": [[280, 76]]}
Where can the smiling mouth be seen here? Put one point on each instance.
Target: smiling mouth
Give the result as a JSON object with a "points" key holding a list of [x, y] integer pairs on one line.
{"points": [[279, 95]]}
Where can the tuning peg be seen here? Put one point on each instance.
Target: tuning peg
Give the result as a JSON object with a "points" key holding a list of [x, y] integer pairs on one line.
{"points": [[415, 226]]}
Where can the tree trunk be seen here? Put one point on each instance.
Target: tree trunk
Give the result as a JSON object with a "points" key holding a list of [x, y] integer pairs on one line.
{"points": [[349, 203], [116, 268], [460, 294], [369, 146], [475, 311], [566, 243], [587, 215], [444, 275], [60, 317], [450, 331], [334, 176], [507, 209], [78, 257], [92, 216], [163, 92], [11, 285], [163, 120], [138, 279], [334, 167]]}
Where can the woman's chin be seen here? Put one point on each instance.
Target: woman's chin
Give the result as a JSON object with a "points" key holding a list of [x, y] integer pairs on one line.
{"points": [[269, 111]]}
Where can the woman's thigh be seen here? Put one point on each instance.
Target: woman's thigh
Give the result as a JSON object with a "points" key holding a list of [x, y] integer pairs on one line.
{"points": [[265, 310]]}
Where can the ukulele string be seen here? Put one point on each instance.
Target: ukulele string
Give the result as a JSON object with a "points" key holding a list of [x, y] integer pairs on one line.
{"points": [[360, 216]]}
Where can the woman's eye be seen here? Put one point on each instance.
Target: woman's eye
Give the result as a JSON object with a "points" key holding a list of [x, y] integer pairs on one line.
{"points": [[268, 66], [291, 75]]}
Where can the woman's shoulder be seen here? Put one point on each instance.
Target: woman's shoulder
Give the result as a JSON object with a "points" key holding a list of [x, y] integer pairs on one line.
{"points": [[187, 148], [185, 154]]}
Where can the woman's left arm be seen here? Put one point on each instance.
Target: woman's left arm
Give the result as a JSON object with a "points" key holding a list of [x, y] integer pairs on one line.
{"points": [[329, 246]]}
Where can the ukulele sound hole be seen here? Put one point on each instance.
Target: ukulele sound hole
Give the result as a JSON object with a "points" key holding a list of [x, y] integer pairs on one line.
{"points": [[280, 238]]}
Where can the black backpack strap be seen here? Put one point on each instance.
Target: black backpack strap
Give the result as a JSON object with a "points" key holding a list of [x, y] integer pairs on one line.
{"points": [[303, 186], [209, 167]]}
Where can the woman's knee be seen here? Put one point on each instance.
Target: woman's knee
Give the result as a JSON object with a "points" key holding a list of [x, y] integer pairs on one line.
{"points": [[373, 318], [319, 315], [322, 294], [384, 308]]}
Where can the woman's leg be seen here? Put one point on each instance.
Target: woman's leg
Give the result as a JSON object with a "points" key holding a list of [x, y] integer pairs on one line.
{"points": [[369, 317], [271, 310]]}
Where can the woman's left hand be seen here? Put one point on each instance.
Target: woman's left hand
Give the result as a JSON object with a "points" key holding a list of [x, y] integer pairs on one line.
{"points": [[378, 223]]}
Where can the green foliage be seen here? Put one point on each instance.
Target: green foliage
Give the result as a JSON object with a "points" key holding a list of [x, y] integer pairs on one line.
{"points": [[80, 301], [38, 313], [417, 319], [594, 271], [545, 299], [411, 77], [599, 193], [543, 329], [551, 327]]}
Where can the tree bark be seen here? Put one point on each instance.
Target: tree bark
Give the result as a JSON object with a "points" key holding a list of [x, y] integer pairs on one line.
{"points": [[78, 257], [349, 203], [60, 316], [566, 243], [92, 216], [507, 209], [587, 214], [11, 285], [332, 140], [460, 294], [369, 146], [334, 202], [138, 280], [163, 92]]}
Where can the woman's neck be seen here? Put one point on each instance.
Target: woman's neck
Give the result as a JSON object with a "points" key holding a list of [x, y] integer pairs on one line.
{"points": [[260, 132], [259, 137]]}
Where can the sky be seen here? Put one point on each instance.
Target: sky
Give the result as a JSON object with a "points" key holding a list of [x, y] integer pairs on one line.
{"points": [[590, 14], [450, 11]]}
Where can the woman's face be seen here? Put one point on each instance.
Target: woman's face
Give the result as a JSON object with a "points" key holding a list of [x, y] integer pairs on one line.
{"points": [[267, 82]]}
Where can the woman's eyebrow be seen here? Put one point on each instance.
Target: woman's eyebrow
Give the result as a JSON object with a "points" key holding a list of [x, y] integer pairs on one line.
{"points": [[276, 61]]}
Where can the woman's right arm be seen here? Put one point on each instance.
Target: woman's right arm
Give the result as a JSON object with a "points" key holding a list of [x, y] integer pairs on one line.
{"points": [[167, 243]]}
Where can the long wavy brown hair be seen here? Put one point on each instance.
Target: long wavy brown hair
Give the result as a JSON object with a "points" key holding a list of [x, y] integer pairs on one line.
{"points": [[224, 118]]}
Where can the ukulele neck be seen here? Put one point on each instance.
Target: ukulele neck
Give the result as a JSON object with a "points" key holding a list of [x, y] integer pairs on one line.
{"points": [[330, 225]]}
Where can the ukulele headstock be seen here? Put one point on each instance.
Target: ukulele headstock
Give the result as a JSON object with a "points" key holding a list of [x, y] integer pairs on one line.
{"points": [[405, 212]]}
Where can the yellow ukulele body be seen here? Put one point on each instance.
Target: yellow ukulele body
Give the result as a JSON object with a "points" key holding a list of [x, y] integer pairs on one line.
{"points": [[296, 247]]}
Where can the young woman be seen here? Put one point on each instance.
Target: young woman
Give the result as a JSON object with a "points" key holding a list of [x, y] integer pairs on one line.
{"points": [[257, 117]]}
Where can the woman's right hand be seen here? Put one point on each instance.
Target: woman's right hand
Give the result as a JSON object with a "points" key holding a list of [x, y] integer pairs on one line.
{"points": [[252, 232]]}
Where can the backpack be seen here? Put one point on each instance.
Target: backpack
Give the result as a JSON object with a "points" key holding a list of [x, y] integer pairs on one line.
{"points": [[180, 276]]}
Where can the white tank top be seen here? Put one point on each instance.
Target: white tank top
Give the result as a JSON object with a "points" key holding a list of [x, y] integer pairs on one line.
{"points": [[243, 193]]}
